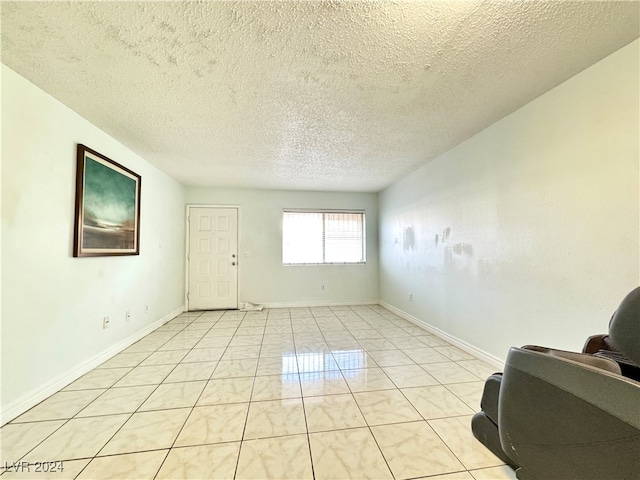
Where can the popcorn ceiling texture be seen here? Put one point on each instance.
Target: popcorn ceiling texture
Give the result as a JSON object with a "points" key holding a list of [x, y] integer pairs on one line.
{"points": [[303, 95]]}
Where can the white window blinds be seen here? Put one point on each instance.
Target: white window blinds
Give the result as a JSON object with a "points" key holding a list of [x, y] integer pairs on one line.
{"points": [[318, 237]]}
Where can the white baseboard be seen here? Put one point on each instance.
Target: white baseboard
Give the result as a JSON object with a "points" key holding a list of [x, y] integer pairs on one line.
{"points": [[31, 399], [316, 304], [461, 344]]}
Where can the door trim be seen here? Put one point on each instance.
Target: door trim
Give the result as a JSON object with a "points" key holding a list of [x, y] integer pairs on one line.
{"points": [[188, 208]]}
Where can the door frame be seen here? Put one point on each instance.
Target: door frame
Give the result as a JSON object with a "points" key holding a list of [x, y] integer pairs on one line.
{"points": [[188, 208]]}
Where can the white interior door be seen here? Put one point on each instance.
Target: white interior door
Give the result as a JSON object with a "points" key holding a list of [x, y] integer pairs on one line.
{"points": [[213, 258]]}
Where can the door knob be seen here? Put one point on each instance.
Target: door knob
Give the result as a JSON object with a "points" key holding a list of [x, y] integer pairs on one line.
{"points": [[233, 255], [233, 263]]}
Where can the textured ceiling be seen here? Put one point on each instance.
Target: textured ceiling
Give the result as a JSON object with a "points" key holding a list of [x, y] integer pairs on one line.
{"points": [[303, 95]]}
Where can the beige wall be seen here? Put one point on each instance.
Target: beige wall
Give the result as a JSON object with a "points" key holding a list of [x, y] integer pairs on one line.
{"points": [[529, 231], [52, 303], [263, 278]]}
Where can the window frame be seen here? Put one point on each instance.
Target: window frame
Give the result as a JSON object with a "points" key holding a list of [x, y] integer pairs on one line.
{"points": [[324, 211]]}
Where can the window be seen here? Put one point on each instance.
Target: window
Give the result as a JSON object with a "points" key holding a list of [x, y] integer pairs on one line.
{"points": [[319, 237]]}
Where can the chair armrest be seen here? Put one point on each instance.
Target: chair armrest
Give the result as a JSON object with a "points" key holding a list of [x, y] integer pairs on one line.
{"points": [[584, 358], [598, 342]]}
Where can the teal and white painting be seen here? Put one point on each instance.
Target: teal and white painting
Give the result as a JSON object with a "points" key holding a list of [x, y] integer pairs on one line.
{"points": [[107, 207]]}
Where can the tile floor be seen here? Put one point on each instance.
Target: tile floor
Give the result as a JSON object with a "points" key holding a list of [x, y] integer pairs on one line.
{"points": [[341, 392]]}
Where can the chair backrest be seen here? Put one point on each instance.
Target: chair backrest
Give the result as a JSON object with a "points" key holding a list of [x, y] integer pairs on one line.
{"points": [[624, 328]]}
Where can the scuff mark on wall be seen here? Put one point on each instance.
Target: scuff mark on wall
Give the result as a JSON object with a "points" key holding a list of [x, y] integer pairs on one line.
{"points": [[409, 240]]}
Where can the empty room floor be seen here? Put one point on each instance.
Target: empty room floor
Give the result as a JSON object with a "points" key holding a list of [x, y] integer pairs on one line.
{"points": [[330, 392]]}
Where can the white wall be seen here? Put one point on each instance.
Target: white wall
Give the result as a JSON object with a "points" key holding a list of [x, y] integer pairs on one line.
{"points": [[542, 210], [52, 303], [263, 278]]}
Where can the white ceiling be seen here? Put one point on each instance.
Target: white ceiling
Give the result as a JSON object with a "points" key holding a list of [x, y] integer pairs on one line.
{"points": [[303, 95]]}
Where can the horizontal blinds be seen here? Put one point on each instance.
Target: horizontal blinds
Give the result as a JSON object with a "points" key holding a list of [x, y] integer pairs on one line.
{"points": [[323, 237], [343, 237]]}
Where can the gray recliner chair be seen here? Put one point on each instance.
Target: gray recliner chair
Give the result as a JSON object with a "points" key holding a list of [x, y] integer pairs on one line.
{"points": [[562, 415]]}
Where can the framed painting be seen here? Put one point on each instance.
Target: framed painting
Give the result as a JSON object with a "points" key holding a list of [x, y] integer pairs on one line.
{"points": [[107, 218]]}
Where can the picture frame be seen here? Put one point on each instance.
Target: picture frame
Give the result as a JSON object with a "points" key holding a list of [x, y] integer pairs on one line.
{"points": [[107, 207]]}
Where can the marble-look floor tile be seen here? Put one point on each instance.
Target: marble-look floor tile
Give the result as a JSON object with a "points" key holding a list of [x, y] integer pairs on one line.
{"points": [[456, 433], [414, 450], [432, 341], [392, 333], [245, 367], [274, 387], [453, 353], [367, 379], [118, 400], [70, 470], [214, 424], [281, 457], [436, 402], [449, 372], [141, 466], [348, 346], [64, 404], [311, 350], [347, 454], [170, 327], [323, 383], [353, 358], [387, 358], [316, 362], [189, 372], [425, 355], [98, 378], [470, 393], [368, 333], [227, 390], [210, 341], [17, 439], [174, 395], [406, 343], [204, 462], [211, 354], [503, 472], [415, 330], [297, 328], [78, 438], [237, 353], [386, 406], [479, 368], [464, 475], [278, 365], [409, 376], [332, 412], [245, 340], [376, 344], [126, 359], [275, 418], [150, 375], [250, 330], [200, 324], [277, 349], [179, 344], [277, 334], [170, 357], [147, 431]]}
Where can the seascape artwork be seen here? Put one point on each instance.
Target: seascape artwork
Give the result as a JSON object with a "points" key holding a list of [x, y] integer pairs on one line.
{"points": [[107, 207]]}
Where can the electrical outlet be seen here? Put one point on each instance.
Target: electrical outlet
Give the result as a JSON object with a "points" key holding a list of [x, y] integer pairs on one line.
{"points": [[322, 286], [128, 315], [410, 297], [105, 322], [146, 309]]}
